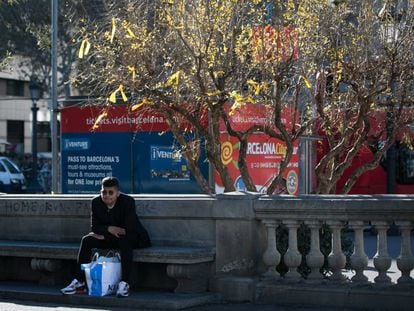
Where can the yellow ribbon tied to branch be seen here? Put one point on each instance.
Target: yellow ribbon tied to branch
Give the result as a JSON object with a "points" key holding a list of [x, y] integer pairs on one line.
{"points": [[99, 119], [133, 71], [120, 89], [113, 30], [307, 82], [143, 102], [255, 86], [130, 34], [173, 79], [239, 101], [84, 48]]}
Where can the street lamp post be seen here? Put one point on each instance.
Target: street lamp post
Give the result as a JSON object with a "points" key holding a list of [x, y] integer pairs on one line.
{"points": [[35, 94], [54, 102], [391, 26], [391, 156]]}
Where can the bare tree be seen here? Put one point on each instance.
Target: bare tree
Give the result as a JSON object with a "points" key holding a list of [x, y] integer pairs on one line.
{"points": [[369, 72], [190, 60]]}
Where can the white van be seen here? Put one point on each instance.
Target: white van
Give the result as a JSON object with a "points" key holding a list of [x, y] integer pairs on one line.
{"points": [[11, 178]]}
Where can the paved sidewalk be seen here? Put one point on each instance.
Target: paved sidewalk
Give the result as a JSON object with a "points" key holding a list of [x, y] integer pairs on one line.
{"points": [[31, 297], [33, 306]]}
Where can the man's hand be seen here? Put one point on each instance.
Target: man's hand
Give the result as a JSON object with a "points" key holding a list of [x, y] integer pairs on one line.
{"points": [[116, 231], [96, 236]]}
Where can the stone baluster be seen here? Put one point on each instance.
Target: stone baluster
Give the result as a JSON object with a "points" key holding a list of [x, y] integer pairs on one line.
{"points": [[382, 261], [271, 256], [292, 257], [405, 262], [359, 260], [336, 258], [315, 257]]}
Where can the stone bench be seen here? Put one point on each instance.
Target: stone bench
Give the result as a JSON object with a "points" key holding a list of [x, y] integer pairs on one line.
{"points": [[189, 266]]}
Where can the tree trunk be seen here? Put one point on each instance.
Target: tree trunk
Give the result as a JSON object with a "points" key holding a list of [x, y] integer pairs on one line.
{"points": [[190, 155], [243, 167], [213, 151]]}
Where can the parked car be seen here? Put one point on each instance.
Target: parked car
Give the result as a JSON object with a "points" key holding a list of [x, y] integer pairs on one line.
{"points": [[11, 178]]}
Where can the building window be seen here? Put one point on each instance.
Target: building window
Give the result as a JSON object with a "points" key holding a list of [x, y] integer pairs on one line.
{"points": [[14, 88], [15, 135], [44, 143], [15, 131]]}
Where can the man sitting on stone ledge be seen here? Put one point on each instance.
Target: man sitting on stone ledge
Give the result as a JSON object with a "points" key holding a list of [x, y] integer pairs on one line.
{"points": [[115, 224]]}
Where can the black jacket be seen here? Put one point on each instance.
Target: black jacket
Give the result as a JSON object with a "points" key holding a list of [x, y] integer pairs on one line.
{"points": [[121, 215]]}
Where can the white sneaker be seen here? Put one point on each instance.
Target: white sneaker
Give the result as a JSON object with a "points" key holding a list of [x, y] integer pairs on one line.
{"points": [[75, 287], [123, 289]]}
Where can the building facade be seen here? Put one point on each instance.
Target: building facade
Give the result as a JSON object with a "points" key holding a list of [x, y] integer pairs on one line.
{"points": [[16, 114]]}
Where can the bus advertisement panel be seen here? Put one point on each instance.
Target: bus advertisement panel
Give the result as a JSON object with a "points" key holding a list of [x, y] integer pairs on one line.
{"points": [[264, 154], [135, 147], [138, 148]]}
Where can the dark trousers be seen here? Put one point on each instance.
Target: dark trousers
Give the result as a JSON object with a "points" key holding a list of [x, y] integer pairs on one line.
{"points": [[125, 244]]}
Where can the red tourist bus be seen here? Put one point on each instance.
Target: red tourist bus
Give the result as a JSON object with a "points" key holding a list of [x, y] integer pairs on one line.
{"points": [[399, 174]]}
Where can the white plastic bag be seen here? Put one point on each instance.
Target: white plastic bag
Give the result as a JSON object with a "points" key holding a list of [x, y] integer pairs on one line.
{"points": [[103, 274]]}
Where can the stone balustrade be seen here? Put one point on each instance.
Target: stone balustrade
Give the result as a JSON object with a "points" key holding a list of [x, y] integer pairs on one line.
{"points": [[351, 213]]}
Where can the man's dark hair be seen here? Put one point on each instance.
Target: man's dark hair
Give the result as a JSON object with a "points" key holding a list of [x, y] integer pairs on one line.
{"points": [[110, 182]]}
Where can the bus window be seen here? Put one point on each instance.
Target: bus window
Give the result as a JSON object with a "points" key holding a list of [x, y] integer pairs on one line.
{"points": [[405, 173]]}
